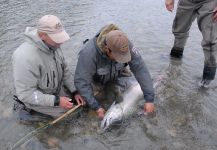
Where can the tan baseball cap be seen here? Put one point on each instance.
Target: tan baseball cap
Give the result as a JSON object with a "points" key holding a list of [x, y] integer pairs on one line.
{"points": [[52, 25], [118, 43]]}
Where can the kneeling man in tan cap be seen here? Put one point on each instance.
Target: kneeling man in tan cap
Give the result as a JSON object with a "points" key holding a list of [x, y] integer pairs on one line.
{"points": [[104, 59]]}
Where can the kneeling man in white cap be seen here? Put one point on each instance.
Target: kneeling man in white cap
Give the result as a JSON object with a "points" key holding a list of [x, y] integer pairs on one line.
{"points": [[40, 70]]}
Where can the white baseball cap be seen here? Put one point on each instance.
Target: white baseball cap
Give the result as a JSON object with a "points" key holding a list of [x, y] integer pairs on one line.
{"points": [[52, 25]]}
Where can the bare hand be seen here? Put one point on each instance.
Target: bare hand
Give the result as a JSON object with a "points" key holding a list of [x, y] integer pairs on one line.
{"points": [[169, 5], [215, 14], [79, 99], [65, 103], [101, 113], [148, 108]]}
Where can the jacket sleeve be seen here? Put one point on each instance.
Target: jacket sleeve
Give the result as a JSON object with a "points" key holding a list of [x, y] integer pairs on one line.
{"points": [[85, 69], [26, 73], [141, 73]]}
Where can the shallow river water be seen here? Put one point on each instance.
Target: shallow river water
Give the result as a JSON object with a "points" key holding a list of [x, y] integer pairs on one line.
{"points": [[186, 115]]}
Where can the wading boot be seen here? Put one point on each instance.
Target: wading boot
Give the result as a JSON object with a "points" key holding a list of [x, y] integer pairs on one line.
{"points": [[176, 52], [208, 76]]}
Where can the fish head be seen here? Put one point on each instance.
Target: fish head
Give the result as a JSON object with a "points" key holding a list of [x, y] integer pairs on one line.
{"points": [[112, 116]]}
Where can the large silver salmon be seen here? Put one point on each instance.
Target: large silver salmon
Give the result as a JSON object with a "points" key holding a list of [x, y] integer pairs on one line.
{"points": [[131, 97], [119, 111]]}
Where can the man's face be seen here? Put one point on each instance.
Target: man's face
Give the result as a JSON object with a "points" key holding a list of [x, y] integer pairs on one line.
{"points": [[49, 41]]}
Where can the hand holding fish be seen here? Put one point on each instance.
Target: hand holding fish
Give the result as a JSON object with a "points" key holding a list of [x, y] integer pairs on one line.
{"points": [[101, 113]]}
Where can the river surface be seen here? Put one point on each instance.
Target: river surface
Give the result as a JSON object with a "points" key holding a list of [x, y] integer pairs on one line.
{"points": [[186, 115]]}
